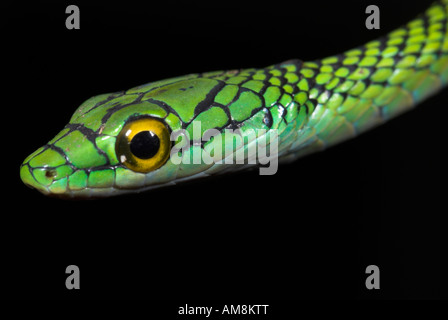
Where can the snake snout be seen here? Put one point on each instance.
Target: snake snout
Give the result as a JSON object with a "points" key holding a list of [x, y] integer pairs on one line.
{"points": [[46, 170]]}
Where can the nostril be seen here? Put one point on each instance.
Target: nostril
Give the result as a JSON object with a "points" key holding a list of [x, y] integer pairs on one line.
{"points": [[50, 174]]}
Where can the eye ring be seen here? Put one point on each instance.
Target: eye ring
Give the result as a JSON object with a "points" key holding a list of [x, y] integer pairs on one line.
{"points": [[143, 145]]}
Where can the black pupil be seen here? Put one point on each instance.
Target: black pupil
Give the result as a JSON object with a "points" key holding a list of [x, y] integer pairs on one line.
{"points": [[145, 144]]}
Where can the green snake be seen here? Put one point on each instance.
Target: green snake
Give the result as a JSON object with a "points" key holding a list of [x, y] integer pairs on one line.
{"points": [[122, 142]]}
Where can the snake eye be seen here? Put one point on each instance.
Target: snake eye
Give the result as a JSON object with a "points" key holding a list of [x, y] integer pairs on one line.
{"points": [[143, 145]]}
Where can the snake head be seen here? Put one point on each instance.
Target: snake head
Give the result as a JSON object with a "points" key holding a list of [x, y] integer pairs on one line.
{"points": [[143, 138]]}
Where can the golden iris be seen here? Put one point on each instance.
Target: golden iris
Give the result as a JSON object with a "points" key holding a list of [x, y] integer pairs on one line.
{"points": [[143, 145]]}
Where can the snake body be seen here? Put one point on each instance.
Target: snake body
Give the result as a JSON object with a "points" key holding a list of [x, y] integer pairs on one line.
{"points": [[310, 105]]}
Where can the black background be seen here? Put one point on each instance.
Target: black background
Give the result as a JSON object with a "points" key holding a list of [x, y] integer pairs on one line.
{"points": [[307, 232]]}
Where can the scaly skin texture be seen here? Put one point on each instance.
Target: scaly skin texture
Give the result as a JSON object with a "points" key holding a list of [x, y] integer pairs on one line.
{"points": [[312, 105]]}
